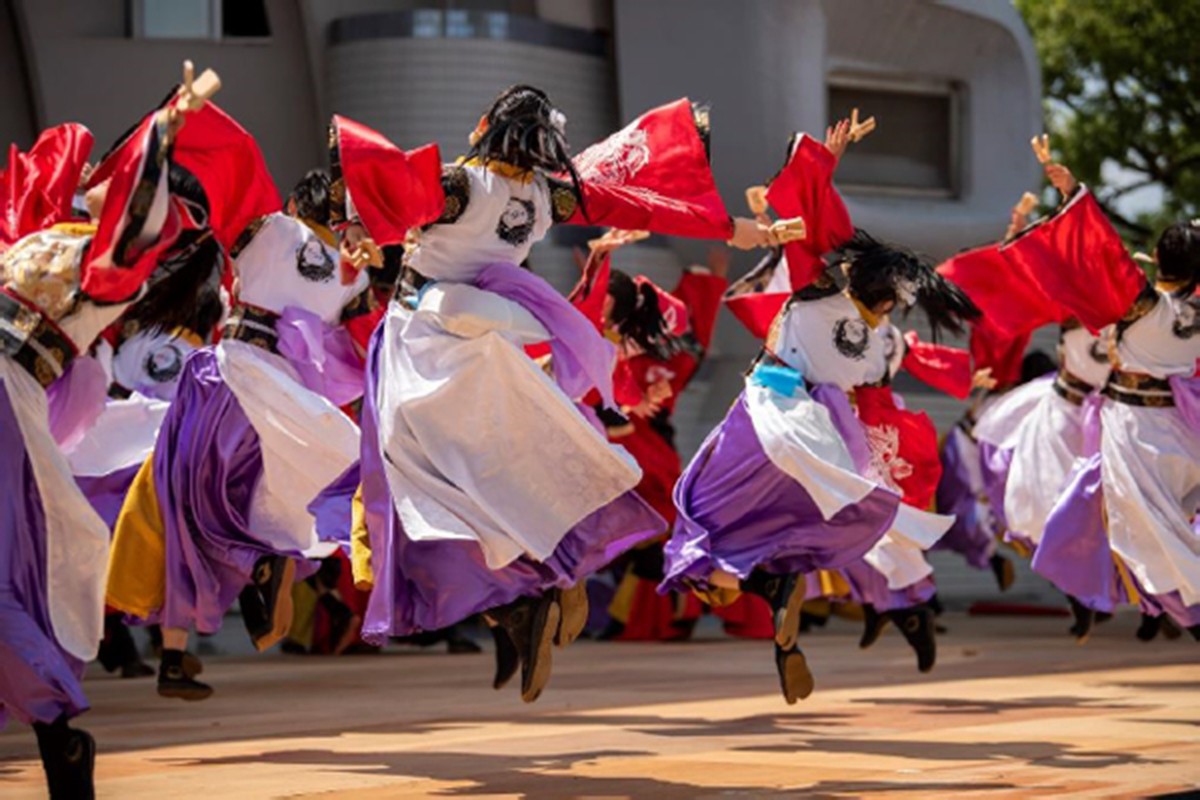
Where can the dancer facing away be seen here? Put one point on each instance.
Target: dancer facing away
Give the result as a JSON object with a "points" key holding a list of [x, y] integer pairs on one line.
{"points": [[59, 288], [485, 489]]}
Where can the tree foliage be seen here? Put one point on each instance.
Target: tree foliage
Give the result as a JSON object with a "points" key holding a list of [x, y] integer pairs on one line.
{"points": [[1122, 84]]}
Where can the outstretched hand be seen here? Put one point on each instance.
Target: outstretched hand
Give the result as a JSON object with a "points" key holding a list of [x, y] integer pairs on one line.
{"points": [[1061, 178]]}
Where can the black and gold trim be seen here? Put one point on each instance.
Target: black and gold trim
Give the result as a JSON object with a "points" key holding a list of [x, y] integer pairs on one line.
{"points": [[29, 338], [246, 236], [1142, 305], [456, 186], [564, 200], [337, 183], [1072, 388], [1136, 389], [142, 198], [255, 326]]}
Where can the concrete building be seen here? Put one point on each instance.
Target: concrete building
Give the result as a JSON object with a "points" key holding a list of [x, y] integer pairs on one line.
{"points": [[954, 84]]}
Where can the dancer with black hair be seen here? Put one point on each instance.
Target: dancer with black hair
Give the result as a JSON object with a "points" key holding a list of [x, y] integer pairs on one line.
{"points": [[60, 286], [255, 432], [485, 488]]}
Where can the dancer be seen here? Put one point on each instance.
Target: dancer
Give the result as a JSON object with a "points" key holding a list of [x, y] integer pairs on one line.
{"points": [[485, 488], [1144, 487], [774, 491], [59, 288], [254, 433]]}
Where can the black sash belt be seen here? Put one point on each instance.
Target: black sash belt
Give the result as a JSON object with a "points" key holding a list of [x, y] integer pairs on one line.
{"points": [[1134, 389], [254, 326], [31, 339]]}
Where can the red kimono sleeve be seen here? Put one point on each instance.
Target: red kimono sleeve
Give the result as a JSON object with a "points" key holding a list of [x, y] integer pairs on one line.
{"points": [[1004, 289], [804, 188], [653, 175], [947, 369], [37, 188], [589, 293], [1079, 260], [390, 190], [701, 292], [1001, 352]]}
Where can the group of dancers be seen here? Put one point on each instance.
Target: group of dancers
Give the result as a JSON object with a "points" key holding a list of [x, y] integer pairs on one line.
{"points": [[205, 394]]}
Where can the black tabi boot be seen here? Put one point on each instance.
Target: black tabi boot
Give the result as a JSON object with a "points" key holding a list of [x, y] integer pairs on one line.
{"points": [[1085, 618], [254, 615], [785, 593], [273, 577], [118, 651], [873, 625], [916, 623], [1004, 571], [174, 680], [508, 660], [1194, 630], [459, 644], [68, 757], [573, 613], [1169, 629], [1148, 629], [795, 680], [531, 624]]}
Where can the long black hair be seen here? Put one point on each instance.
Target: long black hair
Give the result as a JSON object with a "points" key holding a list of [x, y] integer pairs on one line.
{"points": [[181, 289], [1178, 256], [636, 314], [882, 272], [525, 130], [311, 197]]}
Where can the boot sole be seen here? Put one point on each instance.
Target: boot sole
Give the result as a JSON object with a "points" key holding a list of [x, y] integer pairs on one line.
{"points": [[797, 679], [573, 606], [190, 695], [539, 676], [787, 623], [281, 620]]}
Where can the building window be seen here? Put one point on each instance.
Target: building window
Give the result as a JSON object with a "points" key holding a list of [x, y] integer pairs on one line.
{"points": [[916, 151], [199, 19]]}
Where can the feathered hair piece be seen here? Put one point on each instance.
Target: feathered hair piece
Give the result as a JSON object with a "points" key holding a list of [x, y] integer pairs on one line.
{"points": [[880, 272], [525, 130]]}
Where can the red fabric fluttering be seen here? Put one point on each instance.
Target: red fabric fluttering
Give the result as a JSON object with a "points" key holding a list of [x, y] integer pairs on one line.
{"points": [[1078, 259], [37, 188], [591, 289], [804, 188], [1007, 291], [999, 351], [906, 442], [392, 190], [755, 299], [653, 175], [947, 369], [700, 292]]}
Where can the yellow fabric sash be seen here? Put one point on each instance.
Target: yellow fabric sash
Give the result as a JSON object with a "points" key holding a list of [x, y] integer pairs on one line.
{"points": [[137, 567], [360, 544]]}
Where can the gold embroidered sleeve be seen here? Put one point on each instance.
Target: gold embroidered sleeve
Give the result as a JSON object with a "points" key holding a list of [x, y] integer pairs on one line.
{"points": [[456, 186], [564, 200]]}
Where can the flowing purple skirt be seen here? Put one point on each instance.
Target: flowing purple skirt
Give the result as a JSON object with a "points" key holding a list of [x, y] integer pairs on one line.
{"points": [[738, 511], [207, 462], [107, 493], [1076, 557], [39, 681], [429, 585], [969, 536]]}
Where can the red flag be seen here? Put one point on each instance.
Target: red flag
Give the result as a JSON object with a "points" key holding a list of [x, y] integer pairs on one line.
{"points": [[391, 190], [1012, 300], [36, 189], [947, 369], [804, 188], [1079, 260], [653, 175]]}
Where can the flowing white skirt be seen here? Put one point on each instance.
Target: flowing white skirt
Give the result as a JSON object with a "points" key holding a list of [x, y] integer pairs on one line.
{"points": [[1045, 448]]}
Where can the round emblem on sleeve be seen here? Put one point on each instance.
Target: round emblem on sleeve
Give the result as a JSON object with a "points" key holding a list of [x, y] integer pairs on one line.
{"points": [[516, 223], [314, 263], [852, 338]]}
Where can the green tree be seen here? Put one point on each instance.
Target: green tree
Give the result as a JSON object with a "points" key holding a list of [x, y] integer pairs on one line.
{"points": [[1122, 83]]}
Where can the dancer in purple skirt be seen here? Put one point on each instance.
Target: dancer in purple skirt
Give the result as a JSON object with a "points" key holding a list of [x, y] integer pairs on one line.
{"points": [[485, 488], [59, 288]]}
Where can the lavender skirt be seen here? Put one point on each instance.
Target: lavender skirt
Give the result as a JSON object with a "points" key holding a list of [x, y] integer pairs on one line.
{"points": [[39, 681], [969, 536], [738, 512], [206, 464], [429, 585]]}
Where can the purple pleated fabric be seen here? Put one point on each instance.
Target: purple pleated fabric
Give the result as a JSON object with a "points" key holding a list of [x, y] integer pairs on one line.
{"points": [[429, 585], [995, 463], [333, 508], [107, 493], [968, 536], [323, 355], [869, 586], [582, 359], [76, 400], [206, 463], [738, 511], [39, 681]]}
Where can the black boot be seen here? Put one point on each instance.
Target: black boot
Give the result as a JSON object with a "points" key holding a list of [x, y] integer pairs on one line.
{"points": [[1194, 630], [119, 652], [1085, 618], [174, 681], [916, 623], [1004, 571], [1148, 630], [68, 757], [507, 657], [785, 593], [1169, 629], [531, 624], [273, 577], [873, 625], [573, 616], [795, 680]]}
